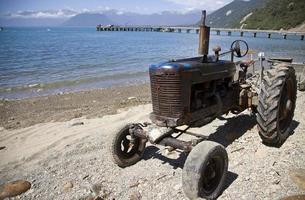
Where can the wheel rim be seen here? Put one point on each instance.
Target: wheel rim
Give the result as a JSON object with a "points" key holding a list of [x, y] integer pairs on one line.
{"points": [[286, 106], [212, 174], [128, 146]]}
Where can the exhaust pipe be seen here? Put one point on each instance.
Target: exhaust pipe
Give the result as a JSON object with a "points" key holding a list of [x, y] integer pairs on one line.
{"points": [[204, 38]]}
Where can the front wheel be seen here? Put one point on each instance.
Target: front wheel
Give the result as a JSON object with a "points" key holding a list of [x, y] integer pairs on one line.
{"points": [[126, 150], [205, 170]]}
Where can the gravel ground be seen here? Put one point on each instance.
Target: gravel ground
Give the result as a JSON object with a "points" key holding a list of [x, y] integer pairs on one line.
{"points": [[70, 160]]}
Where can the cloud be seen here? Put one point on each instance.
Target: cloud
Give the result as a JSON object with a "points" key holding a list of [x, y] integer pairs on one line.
{"points": [[202, 4], [63, 13]]}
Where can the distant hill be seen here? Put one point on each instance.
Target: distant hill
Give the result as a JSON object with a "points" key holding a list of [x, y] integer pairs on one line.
{"points": [[113, 17], [88, 19], [233, 13], [164, 18], [278, 14]]}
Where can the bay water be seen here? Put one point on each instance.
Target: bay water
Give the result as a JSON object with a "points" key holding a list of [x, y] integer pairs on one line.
{"points": [[40, 61]]}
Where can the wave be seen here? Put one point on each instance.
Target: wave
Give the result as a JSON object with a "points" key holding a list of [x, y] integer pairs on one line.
{"points": [[100, 80]]}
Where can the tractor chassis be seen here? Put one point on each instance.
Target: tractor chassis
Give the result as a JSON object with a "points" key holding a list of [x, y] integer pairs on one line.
{"points": [[167, 138]]}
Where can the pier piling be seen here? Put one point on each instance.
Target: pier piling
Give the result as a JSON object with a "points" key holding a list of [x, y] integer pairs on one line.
{"points": [[180, 29]]}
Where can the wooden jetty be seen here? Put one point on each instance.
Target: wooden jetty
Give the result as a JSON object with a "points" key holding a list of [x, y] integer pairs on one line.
{"points": [[218, 31]]}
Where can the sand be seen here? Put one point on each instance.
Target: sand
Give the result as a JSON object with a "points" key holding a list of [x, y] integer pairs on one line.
{"points": [[52, 155], [62, 107]]}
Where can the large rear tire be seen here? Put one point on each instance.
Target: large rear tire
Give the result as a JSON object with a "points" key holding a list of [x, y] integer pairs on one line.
{"points": [[205, 170], [125, 150], [276, 106]]}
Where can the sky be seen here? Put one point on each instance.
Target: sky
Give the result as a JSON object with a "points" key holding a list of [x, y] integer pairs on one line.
{"points": [[43, 7]]}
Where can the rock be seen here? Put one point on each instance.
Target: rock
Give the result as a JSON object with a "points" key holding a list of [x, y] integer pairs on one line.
{"points": [[2, 147], [135, 196], [2, 129], [14, 188], [93, 198], [68, 186], [298, 177], [295, 197], [89, 198], [77, 123], [276, 182], [171, 154], [96, 188], [86, 176], [301, 86], [78, 115], [132, 98]]}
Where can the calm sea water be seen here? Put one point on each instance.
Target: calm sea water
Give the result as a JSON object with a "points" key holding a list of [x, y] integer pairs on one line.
{"points": [[42, 61]]}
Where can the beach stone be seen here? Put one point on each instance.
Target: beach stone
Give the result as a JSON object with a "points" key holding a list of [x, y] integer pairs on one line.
{"points": [[295, 197], [302, 85], [298, 177], [2, 128], [86, 176], [14, 188], [2, 147], [78, 115], [132, 98], [68, 186], [89, 198], [135, 196], [96, 188], [77, 123]]}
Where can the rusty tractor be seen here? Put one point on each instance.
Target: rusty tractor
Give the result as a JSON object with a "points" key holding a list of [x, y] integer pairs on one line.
{"points": [[194, 92]]}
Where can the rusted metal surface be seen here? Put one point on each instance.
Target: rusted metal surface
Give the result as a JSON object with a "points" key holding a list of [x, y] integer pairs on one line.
{"points": [[165, 138], [195, 91], [204, 38], [188, 90], [177, 144], [167, 95]]}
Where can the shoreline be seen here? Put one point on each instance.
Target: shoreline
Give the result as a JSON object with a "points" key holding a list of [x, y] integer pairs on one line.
{"points": [[92, 103]]}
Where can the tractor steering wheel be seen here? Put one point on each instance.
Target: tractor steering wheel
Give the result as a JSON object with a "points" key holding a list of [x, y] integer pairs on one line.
{"points": [[235, 48]]}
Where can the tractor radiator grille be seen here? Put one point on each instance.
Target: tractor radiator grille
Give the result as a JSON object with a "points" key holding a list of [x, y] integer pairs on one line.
{"points": [[166, 95]]}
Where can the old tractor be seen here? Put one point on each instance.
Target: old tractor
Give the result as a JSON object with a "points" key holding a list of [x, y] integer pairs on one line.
{"points": [[195, 91]]}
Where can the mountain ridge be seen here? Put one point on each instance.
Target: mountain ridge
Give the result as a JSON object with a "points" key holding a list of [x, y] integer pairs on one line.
{"points": [[278, 14], [230, 15], [111, 17]]}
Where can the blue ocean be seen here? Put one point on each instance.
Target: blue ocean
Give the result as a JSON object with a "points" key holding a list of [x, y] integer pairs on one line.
{"points": [[42, 61]]}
